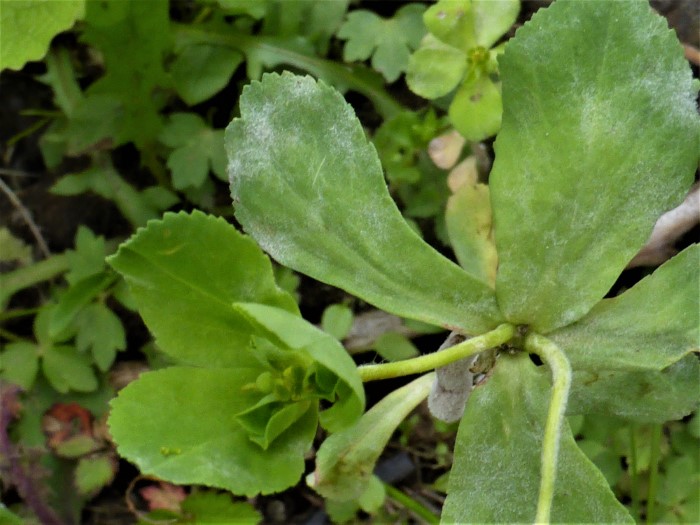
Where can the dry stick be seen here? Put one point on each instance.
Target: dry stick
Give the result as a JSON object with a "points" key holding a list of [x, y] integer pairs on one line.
{"points": [[43, 247], [668, 229], [18, 173], [692, 54]]}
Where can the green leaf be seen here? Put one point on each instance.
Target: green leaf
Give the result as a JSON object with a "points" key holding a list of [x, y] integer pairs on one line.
{"points": [[452, 22], [88, 258], [389, 42], [598, 139], [75, 299], [298, 156], [337, 320], [607, 461], [469, 225], [290, 331], [207, 507], [496, 470], [9, 518], [101, 332], [315, 20], [19, 363], [694, 425], [27, 27], [476, 107], [179, 424], [42, 325], [185, 272], [66, 369], [13, 248], [266, 423], [345, 461], [435, 68], [374, 495], [133, 38], [76, 446], [393, 346], [95, 120], [137, 206], [493, 19], [92, 474], [196, 149], [650, 326], [681, 480], [252, 8], [643, 395], [201, 71]]}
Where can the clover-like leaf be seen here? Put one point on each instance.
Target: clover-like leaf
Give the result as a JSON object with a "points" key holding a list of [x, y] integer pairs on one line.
{"points": [[456, 54], [476, 108], [185, 272], [180, 424], [309, 188], [650, 326], [598, 139], [388, 42], [452, 22], [435, 68], [496, 469]]}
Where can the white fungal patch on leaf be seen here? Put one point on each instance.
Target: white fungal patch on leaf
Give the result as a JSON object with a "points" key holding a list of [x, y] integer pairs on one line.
{"points": [[599, 138], [308, 186]]}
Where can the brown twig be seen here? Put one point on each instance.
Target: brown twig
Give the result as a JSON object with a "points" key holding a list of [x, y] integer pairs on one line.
{"points": [[692, 54], [668, 229], [26, 215]]}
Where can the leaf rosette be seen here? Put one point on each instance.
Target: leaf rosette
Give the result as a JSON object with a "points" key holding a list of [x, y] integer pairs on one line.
{"points": [[244, 394], [586, 161]]}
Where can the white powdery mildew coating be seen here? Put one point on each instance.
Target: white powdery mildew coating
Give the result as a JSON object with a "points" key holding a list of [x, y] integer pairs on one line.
{"points": [[619, 164], [309, 187]]}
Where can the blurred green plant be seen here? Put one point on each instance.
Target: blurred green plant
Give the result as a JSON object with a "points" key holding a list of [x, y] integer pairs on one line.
{"points": [[457, 57], [388, 41]]}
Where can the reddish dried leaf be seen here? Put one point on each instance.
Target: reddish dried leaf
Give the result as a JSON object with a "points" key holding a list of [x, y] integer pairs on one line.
{"points": [[164, 496], [66, 421]]}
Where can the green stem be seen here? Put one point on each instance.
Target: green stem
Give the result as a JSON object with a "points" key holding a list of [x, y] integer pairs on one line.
{"points": [[654, 471], [634, 479], [427, 362], [419, 510], [561, 382], [354, 77], [30, 275]]}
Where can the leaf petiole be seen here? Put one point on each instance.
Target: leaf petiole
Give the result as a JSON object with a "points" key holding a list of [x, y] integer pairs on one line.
{"points": [[498, 336], [561, 382]]}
